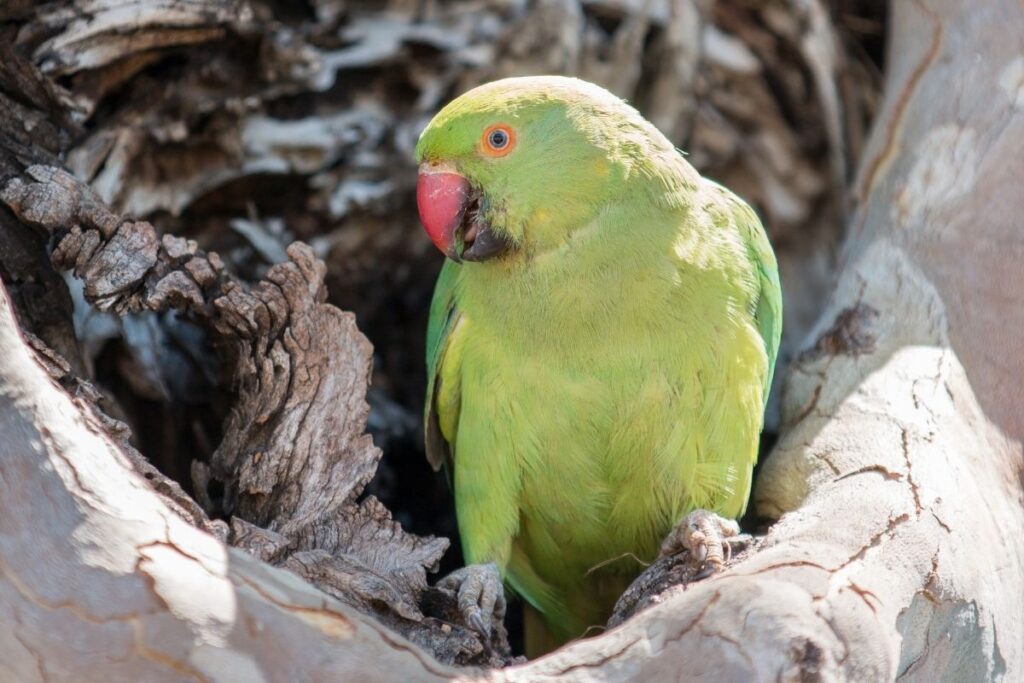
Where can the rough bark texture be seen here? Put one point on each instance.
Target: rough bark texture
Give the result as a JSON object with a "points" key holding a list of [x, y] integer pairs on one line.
{"points": [[896, 484], [294, 457], [138, 593]]}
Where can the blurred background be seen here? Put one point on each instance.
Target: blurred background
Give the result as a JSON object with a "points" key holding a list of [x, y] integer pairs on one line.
{"points": [[246, 125]]}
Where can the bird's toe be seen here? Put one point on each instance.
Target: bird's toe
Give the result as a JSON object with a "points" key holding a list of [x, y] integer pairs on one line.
{"points": [[481, 597]]}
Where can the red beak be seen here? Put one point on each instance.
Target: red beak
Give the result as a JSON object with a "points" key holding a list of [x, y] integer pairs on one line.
{"points": [[442, 197]]}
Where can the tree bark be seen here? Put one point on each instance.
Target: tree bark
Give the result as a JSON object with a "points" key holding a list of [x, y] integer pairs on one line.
{"points": [[99, 579], [294, 458], [896, 484]]}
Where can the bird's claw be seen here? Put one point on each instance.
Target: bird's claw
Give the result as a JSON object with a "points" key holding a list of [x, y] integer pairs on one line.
{"points": [[481, 596], [708, 537], [477, 622]]}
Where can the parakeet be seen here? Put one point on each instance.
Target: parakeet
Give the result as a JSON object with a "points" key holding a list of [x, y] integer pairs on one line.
{"points": [[601, 342]]}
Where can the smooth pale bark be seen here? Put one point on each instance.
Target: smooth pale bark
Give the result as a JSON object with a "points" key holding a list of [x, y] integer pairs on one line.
{"points": [[899, 549]]}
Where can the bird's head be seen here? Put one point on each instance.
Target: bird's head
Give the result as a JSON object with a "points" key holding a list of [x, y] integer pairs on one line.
{"points": [[519, 164]]}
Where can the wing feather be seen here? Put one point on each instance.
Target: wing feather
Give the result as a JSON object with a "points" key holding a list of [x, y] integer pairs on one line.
{"points": [[444, 317], [768, 307]]}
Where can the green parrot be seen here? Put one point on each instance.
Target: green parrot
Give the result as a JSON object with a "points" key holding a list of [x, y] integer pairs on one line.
{"points": [[600, 349]]}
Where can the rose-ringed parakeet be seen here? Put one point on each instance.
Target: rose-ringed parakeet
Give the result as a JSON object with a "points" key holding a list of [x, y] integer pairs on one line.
{"points": [[600, 347]]}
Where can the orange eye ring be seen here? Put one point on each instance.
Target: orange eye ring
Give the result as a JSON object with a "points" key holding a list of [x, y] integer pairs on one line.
{"points": [[498, 140]]}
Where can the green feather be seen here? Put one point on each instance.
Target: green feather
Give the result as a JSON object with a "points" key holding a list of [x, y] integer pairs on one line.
{"points": [[767, 309], [443, 317]]}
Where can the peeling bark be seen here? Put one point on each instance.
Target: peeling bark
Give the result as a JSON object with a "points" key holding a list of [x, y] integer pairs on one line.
{"points": [[294, 458], [139, 594], [895, 488]]}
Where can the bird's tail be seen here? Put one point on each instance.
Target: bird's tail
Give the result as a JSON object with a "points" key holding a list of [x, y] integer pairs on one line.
{"points": [[538, 637], [585, 613]]}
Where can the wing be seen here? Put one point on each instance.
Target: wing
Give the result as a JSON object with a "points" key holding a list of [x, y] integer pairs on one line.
{"points": [[444, 318], [768, 308], [764, 298]]}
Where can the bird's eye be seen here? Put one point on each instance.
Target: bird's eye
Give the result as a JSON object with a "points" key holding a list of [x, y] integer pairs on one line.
{"points": [[498, 140]]}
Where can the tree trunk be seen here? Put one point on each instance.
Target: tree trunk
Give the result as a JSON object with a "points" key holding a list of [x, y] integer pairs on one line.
{"points": [[897, 548]]}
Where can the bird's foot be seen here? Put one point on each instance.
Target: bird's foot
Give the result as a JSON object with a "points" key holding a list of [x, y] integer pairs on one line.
{"points": [[709, 538], [481, 596]]}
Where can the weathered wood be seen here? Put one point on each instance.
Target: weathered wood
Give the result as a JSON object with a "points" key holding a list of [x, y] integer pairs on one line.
{"points": [[898, 548], [294, 458], [138, 594]]}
